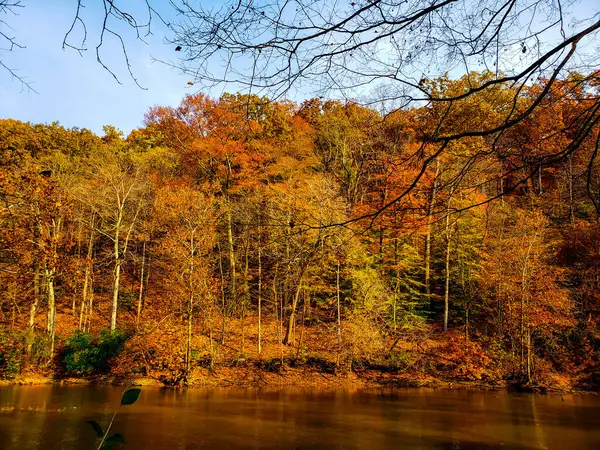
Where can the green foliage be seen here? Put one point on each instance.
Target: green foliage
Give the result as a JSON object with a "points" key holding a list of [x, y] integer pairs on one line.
{"points": [[84, 355], [402, 360], [270, 365], [11, 353], [130, 396], [40, 349], [408, 298]]}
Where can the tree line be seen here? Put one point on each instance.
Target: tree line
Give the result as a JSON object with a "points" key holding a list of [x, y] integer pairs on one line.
{"points": [[241, 230]]}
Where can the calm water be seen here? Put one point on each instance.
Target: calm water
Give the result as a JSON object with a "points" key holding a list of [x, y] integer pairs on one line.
{"points": [[53, 417]]}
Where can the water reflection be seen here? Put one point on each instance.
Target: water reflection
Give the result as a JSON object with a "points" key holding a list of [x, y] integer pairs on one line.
{"points": [[40, 417]]}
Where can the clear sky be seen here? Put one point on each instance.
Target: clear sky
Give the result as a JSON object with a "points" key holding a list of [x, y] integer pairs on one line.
{"points": [[75, 90]]}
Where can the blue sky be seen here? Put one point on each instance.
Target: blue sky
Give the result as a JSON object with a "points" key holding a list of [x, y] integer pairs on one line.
{"points": [[75, 90]]}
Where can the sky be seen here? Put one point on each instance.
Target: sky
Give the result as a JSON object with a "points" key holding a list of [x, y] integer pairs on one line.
{"points": [[74, 90]]}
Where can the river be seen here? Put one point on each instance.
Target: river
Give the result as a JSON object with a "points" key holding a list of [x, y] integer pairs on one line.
{"points": [[53, 417]]}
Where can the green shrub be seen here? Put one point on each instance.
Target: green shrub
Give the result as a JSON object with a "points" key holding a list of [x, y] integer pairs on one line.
{"points": [[40, 350], [11, 353], [84, 355]]}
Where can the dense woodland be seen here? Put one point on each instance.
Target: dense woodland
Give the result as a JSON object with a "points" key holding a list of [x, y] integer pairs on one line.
{"points": [[242, 232]]}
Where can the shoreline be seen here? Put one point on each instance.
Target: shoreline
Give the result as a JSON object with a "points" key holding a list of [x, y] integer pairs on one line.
{"points": [[297, 379]]}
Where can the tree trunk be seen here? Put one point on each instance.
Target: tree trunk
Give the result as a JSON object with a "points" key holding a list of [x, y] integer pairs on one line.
{"points": [[289, 334], [51, 309], [529, 356], [339, 316], [246, 300], [468, 307], [447, 266], [259, 337], [188, 343], [231, 250], [141, 291], [116, 274], [190, 309], [87, 279], [571, 202], [525, 339], [278, 313], [115, 299], [33, 308], [299, 347], [222, 295], [430, 207]]}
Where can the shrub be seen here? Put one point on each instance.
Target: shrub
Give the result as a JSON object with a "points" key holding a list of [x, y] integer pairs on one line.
{"points": [[11, 354], [84, 355], [463, 359], [158, 352], [40, 350], [362, 342]]}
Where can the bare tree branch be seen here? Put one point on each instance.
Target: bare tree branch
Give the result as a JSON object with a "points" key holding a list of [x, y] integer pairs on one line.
{"points": [[9, 43]]}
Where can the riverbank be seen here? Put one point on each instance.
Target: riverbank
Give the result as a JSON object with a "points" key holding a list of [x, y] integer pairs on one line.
{"points": [[316, 360], [300, 378]]}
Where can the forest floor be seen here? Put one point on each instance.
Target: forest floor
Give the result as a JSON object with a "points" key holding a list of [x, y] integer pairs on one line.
{"points": [[301, 379], [316, 360]]}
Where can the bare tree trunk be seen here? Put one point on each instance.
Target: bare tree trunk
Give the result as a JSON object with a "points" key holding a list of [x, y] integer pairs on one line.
{"points": [[87, 279], [430, 207], [222, 295], [246, 300], [447, 268], [231, 249], [33, 308], [278, 313], [115, 300], [468, 307], [381, 235], [571, 201], [299, 347], [259, 337], [525, 339], [141, 291], [190, 309], [51, 309], [289, 335], [211, 349], [188, 343], [339, 316], [529, 356], [120, 250], [447, 276], [116, 274], [87, 316]]}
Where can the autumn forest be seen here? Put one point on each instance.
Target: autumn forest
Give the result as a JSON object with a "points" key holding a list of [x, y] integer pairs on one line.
{"points": [[243, 238]]}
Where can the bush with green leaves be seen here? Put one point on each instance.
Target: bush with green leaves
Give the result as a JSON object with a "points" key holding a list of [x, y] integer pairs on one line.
{"points": [[85, 355], [11, 353]]}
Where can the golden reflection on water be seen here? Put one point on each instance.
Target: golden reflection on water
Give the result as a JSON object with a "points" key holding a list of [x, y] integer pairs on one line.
{"points": [[40, 417]]}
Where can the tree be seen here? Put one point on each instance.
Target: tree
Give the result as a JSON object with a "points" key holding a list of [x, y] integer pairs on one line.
{"points": [[395, 49], [188, 218], [116, 193], [524, 287]]}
